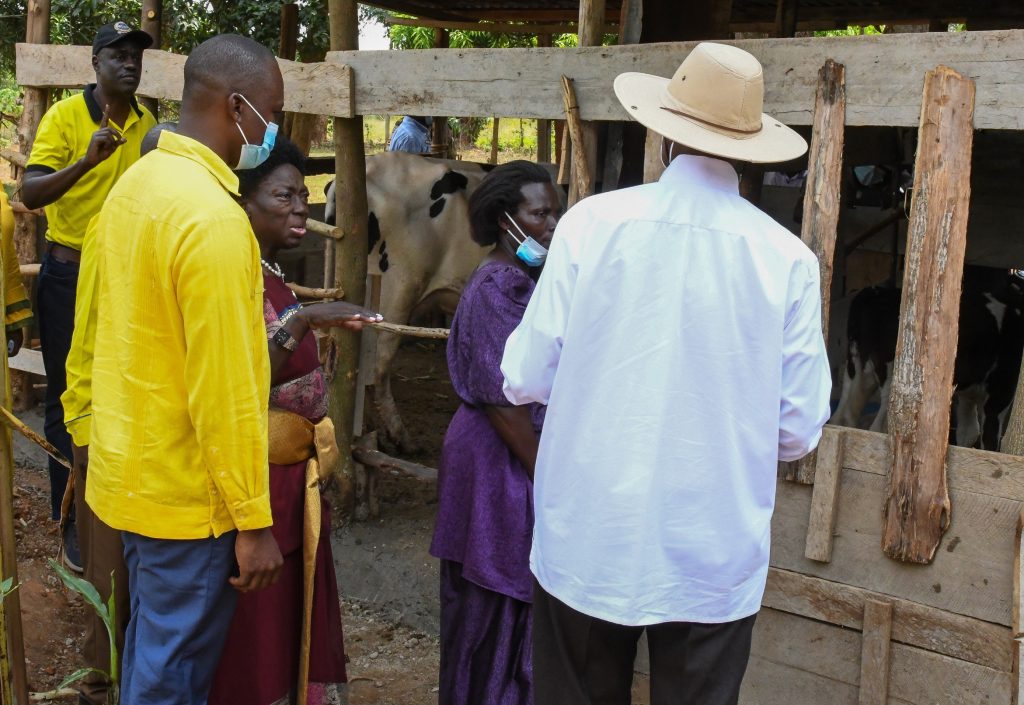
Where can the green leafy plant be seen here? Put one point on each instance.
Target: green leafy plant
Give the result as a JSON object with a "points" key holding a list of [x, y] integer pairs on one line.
{"points": [[106, 613]]}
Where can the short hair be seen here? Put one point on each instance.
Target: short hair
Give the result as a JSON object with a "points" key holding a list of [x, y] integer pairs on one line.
{"points": [[152, 137], [284, 152], [498, 193], [227, 61]]}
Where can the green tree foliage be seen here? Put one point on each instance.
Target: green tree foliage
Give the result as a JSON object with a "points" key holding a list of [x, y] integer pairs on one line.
{"points": [[186, 23]]}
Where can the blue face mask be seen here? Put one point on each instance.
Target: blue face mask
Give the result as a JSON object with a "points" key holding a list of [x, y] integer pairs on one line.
{"points": [[252, 155], [529, 251]]}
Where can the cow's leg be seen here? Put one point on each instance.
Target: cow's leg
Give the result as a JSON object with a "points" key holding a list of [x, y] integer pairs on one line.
{"points": [[882, 417], [395, 436], [857, 390], [969, 403]]}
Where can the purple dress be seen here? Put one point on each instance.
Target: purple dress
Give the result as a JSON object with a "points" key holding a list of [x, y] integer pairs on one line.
{"points": [[485, 508]]}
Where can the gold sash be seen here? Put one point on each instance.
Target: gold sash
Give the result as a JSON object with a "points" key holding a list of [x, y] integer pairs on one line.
{"points": [[293, 439]]}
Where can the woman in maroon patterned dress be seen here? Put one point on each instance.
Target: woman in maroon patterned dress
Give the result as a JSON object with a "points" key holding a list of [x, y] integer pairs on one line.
{"points": [[260, 663]]}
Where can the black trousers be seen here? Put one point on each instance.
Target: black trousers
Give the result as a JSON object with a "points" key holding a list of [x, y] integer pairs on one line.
{"points": [[582, 660], [55, 303]]}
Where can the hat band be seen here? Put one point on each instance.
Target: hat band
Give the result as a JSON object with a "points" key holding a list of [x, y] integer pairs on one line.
{"points": [[715, 125]]}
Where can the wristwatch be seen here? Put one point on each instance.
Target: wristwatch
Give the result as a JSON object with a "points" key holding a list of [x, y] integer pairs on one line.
{"points": [[285, 340]]}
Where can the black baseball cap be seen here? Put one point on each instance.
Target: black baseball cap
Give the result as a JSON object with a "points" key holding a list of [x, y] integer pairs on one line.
{"points": [[117, 32]]}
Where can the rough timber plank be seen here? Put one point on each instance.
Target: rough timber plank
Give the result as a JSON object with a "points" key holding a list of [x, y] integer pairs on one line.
{"points": [[971, 575], [917, 509], [769, 683], [820, 225], [914, 624], [480, 81], [874, 653], [828, 471], [319, 88], [978, 471], [1018, 614], [830, 653]]}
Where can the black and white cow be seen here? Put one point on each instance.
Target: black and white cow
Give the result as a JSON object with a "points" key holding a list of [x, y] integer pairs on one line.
{"points": [[989, 345], [420, 244]]}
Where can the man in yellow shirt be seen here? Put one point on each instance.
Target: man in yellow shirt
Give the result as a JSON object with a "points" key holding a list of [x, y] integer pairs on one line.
{"points": [[180, 376], [83, 146], [17, 309]]}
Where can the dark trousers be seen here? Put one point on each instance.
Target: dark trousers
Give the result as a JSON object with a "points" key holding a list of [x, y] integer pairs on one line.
{"points": [[582, 660], [55, 304], [102, 557], [181, 608]]}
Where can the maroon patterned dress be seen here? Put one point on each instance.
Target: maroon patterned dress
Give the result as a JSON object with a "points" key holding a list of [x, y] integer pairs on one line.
{"points": [[260, 662]]}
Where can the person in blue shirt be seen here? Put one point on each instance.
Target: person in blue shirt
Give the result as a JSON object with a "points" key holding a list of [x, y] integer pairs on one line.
{"points": [[411, 135]]}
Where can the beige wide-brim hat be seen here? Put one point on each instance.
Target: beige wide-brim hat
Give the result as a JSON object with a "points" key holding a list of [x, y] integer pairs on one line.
{"points": [[712, 104]]}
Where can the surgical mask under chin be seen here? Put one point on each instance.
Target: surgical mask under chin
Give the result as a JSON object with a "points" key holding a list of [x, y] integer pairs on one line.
{"points": [[252, 155], [531, 252]]}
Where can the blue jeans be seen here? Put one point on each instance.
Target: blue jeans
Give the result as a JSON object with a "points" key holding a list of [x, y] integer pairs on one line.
{"points": [[181, 608], [55, 304]]}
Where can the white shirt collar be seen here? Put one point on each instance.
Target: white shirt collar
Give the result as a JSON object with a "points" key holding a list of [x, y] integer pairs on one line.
{"points": [[704, 172]]}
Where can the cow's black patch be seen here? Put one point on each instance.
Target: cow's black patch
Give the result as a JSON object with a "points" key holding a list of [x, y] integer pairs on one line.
{"points": [[384, 264], [436, 207], [372, 231], [383, 245], [449, 183], [488, 167]]}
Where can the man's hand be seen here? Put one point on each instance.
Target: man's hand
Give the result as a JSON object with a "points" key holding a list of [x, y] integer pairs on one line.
{"points": [[80, 457], [259, 560], [15, 339], [104, 142]]}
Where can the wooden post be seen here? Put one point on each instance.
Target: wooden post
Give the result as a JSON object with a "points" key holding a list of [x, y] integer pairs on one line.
{"points": [[494, 140], [287, 46], [350, 251], [288, 43], [152, 12], [917, 507], [582, 182], [874, 654], [821, 204], [25, 224], [543, 126], [821, 523], [785, 17], [590, 29], [14, 686], [439, 130], [630, 24]]}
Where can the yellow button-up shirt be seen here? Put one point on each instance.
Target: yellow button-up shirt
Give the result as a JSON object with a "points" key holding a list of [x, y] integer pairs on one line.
{"points": [[62, 139], [17, 308], [180, 370]]}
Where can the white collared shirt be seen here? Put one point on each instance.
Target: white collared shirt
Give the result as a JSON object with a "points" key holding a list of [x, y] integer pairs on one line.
{"points": [[675, 334]]}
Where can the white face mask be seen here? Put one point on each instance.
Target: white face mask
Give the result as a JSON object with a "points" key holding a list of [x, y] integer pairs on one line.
{"points": [[529, 251], [252, 155]]}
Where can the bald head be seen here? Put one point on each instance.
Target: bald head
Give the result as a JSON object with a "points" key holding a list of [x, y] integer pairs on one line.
{"points": [[152, 138], [233, 88], [227, 63]]}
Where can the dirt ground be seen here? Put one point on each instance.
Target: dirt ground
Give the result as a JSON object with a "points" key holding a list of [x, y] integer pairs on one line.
{"points": [[388, 579]]}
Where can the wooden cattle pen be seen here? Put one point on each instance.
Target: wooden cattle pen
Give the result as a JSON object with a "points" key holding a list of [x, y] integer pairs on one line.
{"points": [[896, 572]]}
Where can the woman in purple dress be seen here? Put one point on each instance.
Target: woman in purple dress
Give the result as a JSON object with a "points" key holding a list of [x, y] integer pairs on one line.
{"points": [[261, 662], [485, 485]]}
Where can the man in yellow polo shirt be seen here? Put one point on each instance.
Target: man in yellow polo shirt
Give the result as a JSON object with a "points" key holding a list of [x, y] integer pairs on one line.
{"points": [[181, 376], [83, 146]]}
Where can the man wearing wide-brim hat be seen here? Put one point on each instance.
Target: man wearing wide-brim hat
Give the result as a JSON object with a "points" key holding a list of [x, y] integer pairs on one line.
{"points": [[675, 335]]}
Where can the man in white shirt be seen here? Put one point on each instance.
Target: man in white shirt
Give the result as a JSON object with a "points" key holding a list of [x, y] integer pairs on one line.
{"points": [[675, 335]]}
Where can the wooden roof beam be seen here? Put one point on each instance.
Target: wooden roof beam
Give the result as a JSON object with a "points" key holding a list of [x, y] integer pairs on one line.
{"points": [[503, 27]]}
